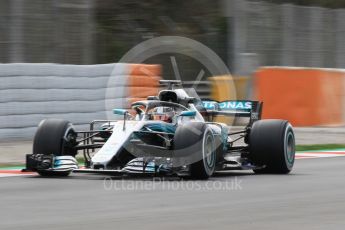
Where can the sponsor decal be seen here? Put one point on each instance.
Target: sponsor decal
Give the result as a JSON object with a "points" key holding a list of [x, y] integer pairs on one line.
{"points": [[234, 105], [228, 105], [255, 116], [209, 104]]}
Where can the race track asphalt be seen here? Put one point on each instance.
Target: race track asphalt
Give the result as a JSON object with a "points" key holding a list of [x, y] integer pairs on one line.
{"points": [[312, 197]]}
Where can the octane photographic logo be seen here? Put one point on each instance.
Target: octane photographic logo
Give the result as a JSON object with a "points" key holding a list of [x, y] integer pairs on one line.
{"points": [[171, 45]]}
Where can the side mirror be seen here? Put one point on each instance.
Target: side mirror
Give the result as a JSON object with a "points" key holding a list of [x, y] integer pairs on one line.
{"points": [[120, 111], [125, 115], [188, 114]]}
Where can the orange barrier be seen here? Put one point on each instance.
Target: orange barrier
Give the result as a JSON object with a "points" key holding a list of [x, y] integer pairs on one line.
{"points": [[143, 81], [222, 89], [227, 87], [305, 97], [241, 85]]}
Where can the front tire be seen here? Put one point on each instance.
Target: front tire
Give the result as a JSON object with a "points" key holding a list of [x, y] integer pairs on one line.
{"points": [[57, 137], [197, 141], [272, 146]]}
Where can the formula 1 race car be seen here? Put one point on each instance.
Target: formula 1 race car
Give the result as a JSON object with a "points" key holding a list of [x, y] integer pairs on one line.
{"points": [[172, 134]]}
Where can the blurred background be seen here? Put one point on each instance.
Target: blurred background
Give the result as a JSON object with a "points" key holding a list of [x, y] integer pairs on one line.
{"points": [[302, 39], [308, 33]]}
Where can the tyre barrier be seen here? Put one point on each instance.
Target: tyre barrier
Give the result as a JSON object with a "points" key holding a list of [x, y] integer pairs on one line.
{"points": [[30, 93]]}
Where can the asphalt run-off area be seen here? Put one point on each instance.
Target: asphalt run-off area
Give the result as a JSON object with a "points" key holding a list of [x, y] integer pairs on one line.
{"points": [[311, 197]]}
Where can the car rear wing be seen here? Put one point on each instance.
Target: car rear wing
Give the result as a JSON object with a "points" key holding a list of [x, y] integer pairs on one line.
{"points": [[236, 108]]}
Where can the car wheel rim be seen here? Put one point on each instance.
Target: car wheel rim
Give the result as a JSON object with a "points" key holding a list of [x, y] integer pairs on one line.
{"points": [[70, 140], [290, 148], [209, 156]]}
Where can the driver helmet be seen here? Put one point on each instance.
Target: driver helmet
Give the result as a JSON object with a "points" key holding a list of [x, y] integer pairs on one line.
{"points": [[165, 114]]}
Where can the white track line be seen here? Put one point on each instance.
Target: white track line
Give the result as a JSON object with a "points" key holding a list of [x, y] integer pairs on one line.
{"points": [[324, 154], [299, 155], [12, 175]]}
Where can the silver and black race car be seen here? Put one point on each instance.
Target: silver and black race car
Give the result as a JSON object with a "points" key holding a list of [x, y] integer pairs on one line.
{"points": [[172, 134]]}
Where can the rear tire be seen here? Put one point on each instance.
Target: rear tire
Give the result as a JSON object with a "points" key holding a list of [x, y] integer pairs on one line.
{"points": [[197, 140], [57, 137], [272, 145]]}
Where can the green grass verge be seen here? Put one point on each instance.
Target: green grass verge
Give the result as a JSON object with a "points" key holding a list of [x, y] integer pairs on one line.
{"points": [[11, 166], [320, 147]]}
